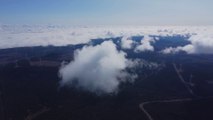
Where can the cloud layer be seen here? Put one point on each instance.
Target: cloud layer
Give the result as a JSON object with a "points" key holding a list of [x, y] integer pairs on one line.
{"points": [[11, 36], [32, 35], [98, 69]]}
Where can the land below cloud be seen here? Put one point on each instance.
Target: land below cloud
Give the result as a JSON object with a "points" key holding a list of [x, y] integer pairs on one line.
{"points": [[168, 86]]}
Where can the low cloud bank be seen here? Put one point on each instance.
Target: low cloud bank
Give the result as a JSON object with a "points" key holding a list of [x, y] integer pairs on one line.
{"points": [[98, 69], [11, 36], [38, 35]]}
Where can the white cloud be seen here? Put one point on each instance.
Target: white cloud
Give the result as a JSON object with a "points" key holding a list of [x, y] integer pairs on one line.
{"points": [[201, 43], [126, 42], [98, 69], [145, 44], [36, 35]]}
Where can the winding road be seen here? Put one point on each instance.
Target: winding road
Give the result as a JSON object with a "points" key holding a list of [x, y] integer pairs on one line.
{"points": [[142, 105]]}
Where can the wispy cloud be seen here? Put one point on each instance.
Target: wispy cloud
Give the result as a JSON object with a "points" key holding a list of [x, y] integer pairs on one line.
{"points": [[172, 50]]}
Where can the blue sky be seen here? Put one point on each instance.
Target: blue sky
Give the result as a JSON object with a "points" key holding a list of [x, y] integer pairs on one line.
{"points": [[107, 12]]}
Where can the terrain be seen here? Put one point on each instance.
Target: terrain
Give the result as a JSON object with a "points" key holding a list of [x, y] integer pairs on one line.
{"points": [[180, 88]]}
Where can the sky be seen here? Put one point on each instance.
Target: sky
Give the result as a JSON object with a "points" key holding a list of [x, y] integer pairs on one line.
{"points": [[107, 12]]}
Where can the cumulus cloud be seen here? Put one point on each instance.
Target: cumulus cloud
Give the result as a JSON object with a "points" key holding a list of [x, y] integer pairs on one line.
{"points": [[201, 43], [98, 69], [145, 44], [126, 42]]}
